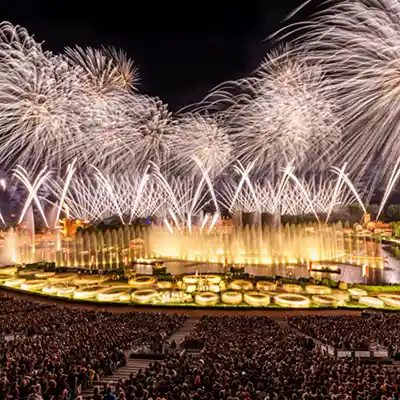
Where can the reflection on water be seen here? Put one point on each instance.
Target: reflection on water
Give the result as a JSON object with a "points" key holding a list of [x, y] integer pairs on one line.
{"points": [[348, 273]]}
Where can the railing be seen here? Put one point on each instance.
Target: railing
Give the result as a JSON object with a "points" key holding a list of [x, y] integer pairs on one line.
{"points": [[353, 353]]}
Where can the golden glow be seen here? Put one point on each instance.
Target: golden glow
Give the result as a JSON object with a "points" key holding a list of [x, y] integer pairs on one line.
{"points": [[8, 270], [88, 292], [292, 300], [14, 282], [113, 293], [33, 284], [241, 285], [63, 277], [231, 297], [146, 261], [175, 297], [144, 295], [253, 246], [292, 288], [191, 288], [164, 284], [357, 292], [342, 297], [66, 292], [315, 289], [50, 290], [214, 288], [371, 301], [44, 275], [190, 279], [265, 286], [4, 277], [325, 300], [210, 279], [29, 272], [391, 300], [206, 299], [142, 281], [125, 297], [89, 279], [256, 299]]}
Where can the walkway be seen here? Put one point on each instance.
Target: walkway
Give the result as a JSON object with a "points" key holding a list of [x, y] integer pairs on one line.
{"points": [[180, 335], [133, 365]]}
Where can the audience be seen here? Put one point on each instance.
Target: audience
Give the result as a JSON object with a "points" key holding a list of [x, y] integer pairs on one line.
{"points": [[50, 352], [255, 358], [53, 353], [350, 332]]}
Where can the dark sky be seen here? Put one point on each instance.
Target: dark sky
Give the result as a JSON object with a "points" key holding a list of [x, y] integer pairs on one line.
{"points": [[182, 49]]}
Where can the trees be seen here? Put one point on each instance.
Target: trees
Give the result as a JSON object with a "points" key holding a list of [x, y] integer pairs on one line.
{"points": [[393, 212]]}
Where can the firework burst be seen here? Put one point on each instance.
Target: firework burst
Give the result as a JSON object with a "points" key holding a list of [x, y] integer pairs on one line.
{"points": [[281, 115], [39, 99], [357, 44], [203, 138], [105, 70]]}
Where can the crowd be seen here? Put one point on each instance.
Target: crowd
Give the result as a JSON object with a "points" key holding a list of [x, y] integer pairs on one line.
{"points": [[352, 332], [255, 358], [50, 352]]}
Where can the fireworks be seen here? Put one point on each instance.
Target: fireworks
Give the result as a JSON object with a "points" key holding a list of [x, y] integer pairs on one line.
{"points": [[281, 115], [81, 104], [261, 144], [285, 195], [105, 70], [357, 44], [200, 138]]}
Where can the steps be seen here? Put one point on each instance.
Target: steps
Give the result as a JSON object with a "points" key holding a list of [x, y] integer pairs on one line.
{"points": [[134, 364], [180, 335]]}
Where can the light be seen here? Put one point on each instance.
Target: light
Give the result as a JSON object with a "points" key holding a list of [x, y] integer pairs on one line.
{"points": [[64, 277], [125, 297], [257, 299], [113, 293], [371, 302], [231, 297], [33, 284], [214, 288], [88, 292], [315, 289], [14, 282], [292, 288], [44, 275], [89, 279], [342, 297], [265, 286], [325, 300], [206, 299], [164, 284], [8, 270], [391, 300], [144, 295], [50, 290], [190, 279], [357, 292], [66, 292], [191, 288], [241, 285], [292, 300], [142, 281]]}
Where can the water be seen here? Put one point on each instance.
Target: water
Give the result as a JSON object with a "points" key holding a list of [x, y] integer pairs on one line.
{"points": [[264, 251], [348, 273]]}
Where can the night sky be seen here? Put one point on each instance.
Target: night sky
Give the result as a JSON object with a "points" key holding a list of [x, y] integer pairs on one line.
{"points": [[182, 50]]}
